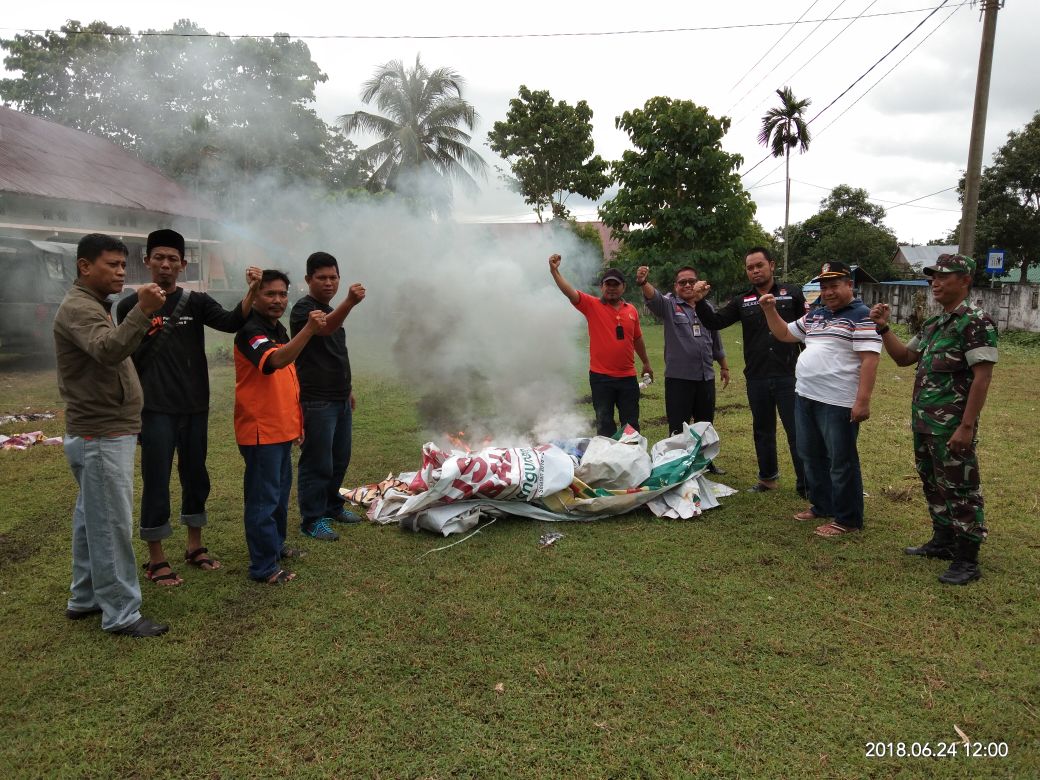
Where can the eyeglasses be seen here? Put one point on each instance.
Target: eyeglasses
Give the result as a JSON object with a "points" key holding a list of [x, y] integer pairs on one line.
{"points": [[685, 282]]}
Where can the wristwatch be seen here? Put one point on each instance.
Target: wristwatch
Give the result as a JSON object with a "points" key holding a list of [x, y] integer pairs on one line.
{"points": [[882, 329]]}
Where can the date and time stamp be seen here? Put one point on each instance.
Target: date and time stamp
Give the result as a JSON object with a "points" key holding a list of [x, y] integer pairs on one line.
{"points": [[963, 750]]}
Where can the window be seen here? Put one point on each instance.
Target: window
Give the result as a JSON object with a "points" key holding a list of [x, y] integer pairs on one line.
{"points": [[1034, 302]]}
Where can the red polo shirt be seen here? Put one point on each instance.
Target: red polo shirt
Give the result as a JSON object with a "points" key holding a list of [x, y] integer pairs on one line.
{"points": [[607, 353]]}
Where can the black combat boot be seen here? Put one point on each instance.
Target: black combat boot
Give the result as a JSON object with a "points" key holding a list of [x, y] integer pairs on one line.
{"points": [[941, 545], [965, 566]]}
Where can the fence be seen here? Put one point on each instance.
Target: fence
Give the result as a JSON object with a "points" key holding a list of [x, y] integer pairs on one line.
{"points": [[1012, 306]]}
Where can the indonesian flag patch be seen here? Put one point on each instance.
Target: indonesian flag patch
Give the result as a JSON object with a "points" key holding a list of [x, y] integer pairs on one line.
{"points": [[257, 340]]}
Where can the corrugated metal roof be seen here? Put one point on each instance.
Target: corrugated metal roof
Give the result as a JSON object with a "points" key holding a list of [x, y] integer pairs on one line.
{"points": [[920, 256], [43, 158]]}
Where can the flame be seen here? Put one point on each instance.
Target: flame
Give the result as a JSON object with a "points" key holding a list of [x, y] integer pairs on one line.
{"points": [[457, 441]]}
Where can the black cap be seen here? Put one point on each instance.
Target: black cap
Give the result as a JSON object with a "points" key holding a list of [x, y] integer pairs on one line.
{"points": [[612, 273], [165, 237], [832, 270]]}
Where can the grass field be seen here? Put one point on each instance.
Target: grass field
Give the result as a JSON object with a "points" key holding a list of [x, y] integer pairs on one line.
{"points": [[734, 645]]}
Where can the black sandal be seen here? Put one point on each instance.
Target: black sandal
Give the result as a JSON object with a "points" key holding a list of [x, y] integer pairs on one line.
{"points": [[150, 570], [199, 558]]}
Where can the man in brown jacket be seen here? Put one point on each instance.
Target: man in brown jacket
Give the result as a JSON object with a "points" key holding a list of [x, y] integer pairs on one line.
{"points": [[103, 402]]}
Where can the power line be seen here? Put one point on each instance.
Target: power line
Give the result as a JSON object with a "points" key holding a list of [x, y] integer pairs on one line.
{"points": [[883, 58], [806, 64], [914, 200], [883, 200], [776, 43], [461, 36], [783, 59], [858, 80], [868, 89]]}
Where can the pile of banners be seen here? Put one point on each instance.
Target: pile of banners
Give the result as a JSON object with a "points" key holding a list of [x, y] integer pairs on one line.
{"points": [[576, 479], [23, 441]]}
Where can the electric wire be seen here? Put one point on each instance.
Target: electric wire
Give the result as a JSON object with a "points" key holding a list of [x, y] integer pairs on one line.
{"points": [[857, 81], [768, 51], [463, 36], [783, 59], [805, 64]]}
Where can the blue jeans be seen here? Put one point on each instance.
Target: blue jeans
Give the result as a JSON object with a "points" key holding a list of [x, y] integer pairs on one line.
{"points": [[324, 458], [827, 443], [611, 391], [766, 397], [104, 570], [161, 435], [268, 480]]}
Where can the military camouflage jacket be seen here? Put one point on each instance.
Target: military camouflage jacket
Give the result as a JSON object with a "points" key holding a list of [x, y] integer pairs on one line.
{"points": [[949, 344]]}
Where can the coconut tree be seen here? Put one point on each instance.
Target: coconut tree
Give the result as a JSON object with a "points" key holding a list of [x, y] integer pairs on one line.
{"points": [[783, 128], [422, 113]]}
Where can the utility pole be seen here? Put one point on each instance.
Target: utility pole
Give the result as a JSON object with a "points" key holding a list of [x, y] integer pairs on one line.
{"points": [[970, 211]]}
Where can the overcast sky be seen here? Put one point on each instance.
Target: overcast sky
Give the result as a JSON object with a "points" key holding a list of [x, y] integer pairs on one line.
{"points": [[907, 137]]}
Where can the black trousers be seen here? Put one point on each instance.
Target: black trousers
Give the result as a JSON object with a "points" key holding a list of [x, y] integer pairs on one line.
{"points": [[688, 400], [767, 397], [611, 391]]}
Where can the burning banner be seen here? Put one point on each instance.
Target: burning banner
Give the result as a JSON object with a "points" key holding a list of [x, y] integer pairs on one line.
{"points": [[578, 479]]}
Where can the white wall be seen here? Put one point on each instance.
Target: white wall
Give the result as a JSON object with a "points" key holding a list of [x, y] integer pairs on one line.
{"points": [[1012, 306]]}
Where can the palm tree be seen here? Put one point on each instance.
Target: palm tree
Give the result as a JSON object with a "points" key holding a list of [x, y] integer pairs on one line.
{"points": [[421, 115], [784, 128]]}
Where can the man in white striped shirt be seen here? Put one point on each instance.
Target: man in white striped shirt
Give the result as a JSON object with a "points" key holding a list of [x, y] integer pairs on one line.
{"points": [[833, 382]]}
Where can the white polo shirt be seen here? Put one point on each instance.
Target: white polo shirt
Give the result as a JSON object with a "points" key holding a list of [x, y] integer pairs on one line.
{"points": [[828, 369]]}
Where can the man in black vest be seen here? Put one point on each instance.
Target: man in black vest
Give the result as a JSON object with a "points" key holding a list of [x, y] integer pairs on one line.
{"points": [[768, 363]]}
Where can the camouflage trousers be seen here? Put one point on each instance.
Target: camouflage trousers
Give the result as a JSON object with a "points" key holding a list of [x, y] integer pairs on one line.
{"points": [[951, 485]]}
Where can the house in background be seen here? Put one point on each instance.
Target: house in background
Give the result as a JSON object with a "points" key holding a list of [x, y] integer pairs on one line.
{"points": [[58, 184], [909, 260]]}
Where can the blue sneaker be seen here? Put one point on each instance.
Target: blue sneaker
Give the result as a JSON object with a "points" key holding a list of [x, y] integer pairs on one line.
{"points": [[345, 516], [320, 530]]}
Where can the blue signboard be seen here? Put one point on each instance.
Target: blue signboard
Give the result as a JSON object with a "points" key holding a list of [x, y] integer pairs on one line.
{"points": [[995, 261]]}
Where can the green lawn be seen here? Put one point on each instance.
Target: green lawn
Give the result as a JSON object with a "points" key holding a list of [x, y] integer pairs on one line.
{"points": [[734, 645]]}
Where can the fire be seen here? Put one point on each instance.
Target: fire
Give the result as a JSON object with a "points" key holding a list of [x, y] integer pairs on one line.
{"points": [[458, 441]]}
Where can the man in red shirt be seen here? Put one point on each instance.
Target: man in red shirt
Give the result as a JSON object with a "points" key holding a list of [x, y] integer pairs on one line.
{"points": [[614, 337]]}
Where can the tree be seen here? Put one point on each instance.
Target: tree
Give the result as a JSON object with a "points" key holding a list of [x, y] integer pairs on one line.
{"points": [[784, 128], [1009, 201], [680, 200], [848, 228], [420, 131], [209, 111], [549, 147]]}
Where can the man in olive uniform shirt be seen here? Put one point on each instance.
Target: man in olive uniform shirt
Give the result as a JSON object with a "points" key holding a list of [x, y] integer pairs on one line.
{"points": [[955, 353]]}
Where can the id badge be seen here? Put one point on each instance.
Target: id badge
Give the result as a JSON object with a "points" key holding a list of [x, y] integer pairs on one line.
{"points": [[697, 331]]}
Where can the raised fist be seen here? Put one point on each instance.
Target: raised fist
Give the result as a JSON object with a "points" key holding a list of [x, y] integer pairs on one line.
{"points": [[641, 273], [356, 293], [316, 320], [554, 262], [253, 277], [150, 297], [879, 312]]}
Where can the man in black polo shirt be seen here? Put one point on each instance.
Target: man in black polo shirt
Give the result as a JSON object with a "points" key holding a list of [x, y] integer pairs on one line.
{"points": [[768, 364], [171, 361], [323, 369]]}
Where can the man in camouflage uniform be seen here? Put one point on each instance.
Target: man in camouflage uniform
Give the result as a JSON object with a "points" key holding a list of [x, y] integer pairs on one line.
{"points": [[955, 353]]}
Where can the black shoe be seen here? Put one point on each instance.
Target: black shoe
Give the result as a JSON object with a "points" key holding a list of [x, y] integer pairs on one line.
{"points": [[761, 487], [713, 469], [82, 614], [933, 548], [142, 628], [960, 573]]}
